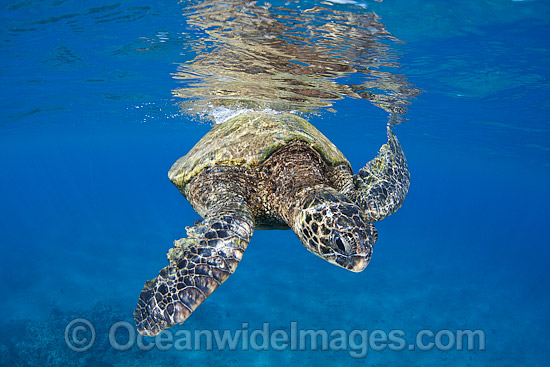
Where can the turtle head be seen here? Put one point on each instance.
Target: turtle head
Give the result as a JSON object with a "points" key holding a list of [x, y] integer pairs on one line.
{"points": [[333, 228]]}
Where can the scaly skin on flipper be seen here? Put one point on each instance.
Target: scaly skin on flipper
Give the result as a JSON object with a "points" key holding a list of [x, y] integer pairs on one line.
{"points": [[198, 265], [382, 185]]}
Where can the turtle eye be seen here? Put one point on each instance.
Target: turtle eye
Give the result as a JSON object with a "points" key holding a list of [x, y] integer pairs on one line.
{"points": [[337, 240]]}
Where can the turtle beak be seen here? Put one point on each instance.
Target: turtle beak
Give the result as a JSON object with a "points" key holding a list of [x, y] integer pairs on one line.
{"points": [[359, 263], [356, 262]]}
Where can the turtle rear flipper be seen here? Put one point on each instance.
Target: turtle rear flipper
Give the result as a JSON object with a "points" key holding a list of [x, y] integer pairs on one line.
{"points": [[382, 185], [198, 265]]}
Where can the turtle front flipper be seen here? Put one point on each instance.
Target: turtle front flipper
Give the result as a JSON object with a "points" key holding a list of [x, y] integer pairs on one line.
{"points": [[198, 265], [382, 185]]}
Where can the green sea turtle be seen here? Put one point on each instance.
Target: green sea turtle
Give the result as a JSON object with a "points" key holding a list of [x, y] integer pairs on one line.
{"points": [[268, 170]]}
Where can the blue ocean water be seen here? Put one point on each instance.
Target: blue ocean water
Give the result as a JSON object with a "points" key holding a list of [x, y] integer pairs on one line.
{"points": [[89, 126]]}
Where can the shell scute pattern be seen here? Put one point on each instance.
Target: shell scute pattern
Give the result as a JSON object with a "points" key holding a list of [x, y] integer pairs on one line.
{"points": [[247, 140]]}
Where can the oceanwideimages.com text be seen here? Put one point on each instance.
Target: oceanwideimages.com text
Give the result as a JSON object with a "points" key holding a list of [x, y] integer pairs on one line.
{"points": [[80, 336]]}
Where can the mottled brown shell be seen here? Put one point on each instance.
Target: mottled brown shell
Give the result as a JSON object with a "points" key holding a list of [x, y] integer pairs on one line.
{"points": [[249, 139]]}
